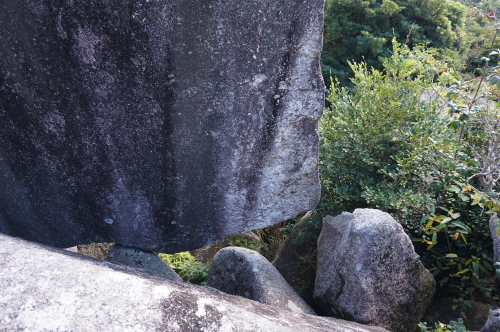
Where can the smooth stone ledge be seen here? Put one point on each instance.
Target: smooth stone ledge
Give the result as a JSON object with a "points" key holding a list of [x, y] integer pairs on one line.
{"points": [[50, 289]]}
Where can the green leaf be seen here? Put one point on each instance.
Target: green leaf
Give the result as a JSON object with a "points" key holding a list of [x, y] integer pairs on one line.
{"points": [[463, 197], [434, 238], [458, 224], [453, 188], [440, 226], [451, 255], [443, 281], [463, 238], [475, 267]]}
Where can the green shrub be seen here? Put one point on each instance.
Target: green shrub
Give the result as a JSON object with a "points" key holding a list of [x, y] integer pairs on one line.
{"points": [[382, 146], [187, 267], [453, 326]]}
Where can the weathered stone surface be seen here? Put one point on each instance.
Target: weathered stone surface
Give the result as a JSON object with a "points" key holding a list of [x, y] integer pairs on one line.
{"points": [[494, 221], [137, 258], [244, 272], [368, 271], [493, 322], [295, 259], [56, 290], [164, 125]]}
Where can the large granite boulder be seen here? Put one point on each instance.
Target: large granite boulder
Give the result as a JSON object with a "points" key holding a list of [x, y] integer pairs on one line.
{"points": [[244, 272], [162, 125], [367, 271], [139, 259], [48, 289], [295, 259]]}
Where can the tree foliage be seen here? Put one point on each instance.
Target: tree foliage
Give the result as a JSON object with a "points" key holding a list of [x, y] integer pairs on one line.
{"points": [[384, 145], [361, 30]]}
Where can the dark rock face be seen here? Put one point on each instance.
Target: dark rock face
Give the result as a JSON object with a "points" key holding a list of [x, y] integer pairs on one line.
{"points": [[296, 261], [244, 272], [139, 259], [56, 290], [368, 271], [163, 125]]}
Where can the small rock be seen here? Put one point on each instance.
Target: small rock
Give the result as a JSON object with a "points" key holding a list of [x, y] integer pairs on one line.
{"points": [[73, 249], [142, 260], [368, 271], [244, 272]]}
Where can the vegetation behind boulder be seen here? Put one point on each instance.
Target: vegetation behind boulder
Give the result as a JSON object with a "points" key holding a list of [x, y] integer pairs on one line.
{"points": [[383, 146]]}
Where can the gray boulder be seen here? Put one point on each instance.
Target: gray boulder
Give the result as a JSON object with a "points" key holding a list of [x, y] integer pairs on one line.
{"points": [[494, 221], [139, 259], [244, 272], [493, 322], [56, 290], [161, 125], [368, 271]]}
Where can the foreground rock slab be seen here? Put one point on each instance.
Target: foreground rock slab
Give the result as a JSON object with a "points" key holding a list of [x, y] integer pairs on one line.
{"points": [[368, 271], [162, 125], [244, 272], [48, 289]]}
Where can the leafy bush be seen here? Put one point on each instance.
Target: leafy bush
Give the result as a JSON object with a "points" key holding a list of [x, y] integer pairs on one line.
{"points": [[380, 144], [360, 30], [188, 268], [453, 326], [383, 146]]}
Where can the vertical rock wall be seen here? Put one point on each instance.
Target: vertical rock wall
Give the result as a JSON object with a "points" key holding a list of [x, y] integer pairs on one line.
{"points": [[161, 124]]}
